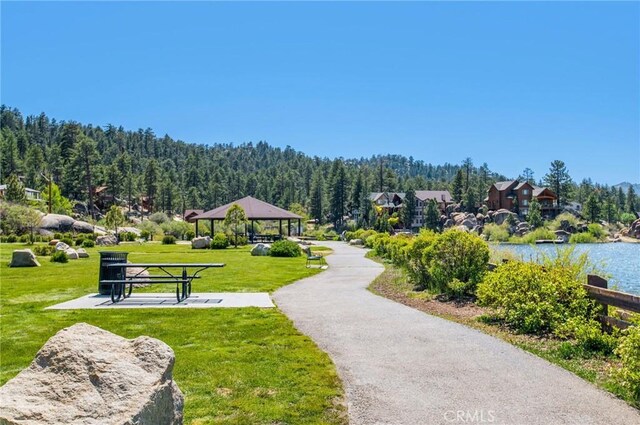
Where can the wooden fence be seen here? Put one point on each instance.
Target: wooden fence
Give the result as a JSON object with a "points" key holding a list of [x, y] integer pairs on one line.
{"points": [[627, 303]]}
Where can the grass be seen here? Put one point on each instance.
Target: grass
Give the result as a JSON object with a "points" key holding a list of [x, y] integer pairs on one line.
{"points": [[234, 366], [595, 368]]}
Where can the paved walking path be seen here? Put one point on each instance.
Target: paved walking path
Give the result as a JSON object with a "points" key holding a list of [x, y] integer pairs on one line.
{"points": [[402, 366]]}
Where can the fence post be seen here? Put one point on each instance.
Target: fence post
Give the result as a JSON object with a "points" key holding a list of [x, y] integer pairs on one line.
{"points": [[597, 281]]}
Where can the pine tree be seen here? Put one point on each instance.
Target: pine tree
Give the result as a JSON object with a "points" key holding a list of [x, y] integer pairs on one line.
{"points": [[337, 201], [84, 160], [15, 191], [559, 181], [631, 202], [151, 177], [535, 214], [432, 215], [235, 218], [316, 206], [9, 158], [34, 166], [458, 186], [408, 210], [592, 208]]}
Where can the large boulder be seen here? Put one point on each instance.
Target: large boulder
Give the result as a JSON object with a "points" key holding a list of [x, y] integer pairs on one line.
{"points": [[501, 216], [82, 227], [448, 223], [356, 242], [82, 253], [201, 242], [133, 230], [86, 375], [57, 222], [23, 258], [61, 246], [261, 250], [106, 240], [72, 254]]}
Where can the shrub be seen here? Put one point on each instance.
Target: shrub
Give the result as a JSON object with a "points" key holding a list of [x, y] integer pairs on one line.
{"points": [[43, 250], [582, 238], [25, 239], [242, 241], [456, 255], [159, 218], [91, 236], [538, 234], [536, 299], [629, 352], [190, 234], [150, 227], [573, 221], [596, 230], [285, 248], [168, 240], [144, 234], [416, 263], [496, 233], [127, 236], [220, 241], [627, 218], [79, 241], [12, 239], [59, 257], [88, 243], [57, 236], [176, 228], [67, 241]]}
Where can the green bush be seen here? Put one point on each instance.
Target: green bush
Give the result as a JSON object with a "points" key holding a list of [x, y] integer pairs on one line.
{"points": [[582, 238], [25, 239], [144, 234], [573, 221], [627, 218], [12, 239], [88, 243], [67, 241], [43, 250], [285, 248], [159, 218], [496, 233], [79, 241], [596, 230], [127, 236], [57, 236], [168, 240], [629, 352], [416, 263], [538, 234], [537, 299], [456, 255], [90, 236], [190, 234], [220, 241], [59, 257]]}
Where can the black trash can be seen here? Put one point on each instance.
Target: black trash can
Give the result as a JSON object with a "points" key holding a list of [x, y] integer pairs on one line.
{"points": [[110, 273]]}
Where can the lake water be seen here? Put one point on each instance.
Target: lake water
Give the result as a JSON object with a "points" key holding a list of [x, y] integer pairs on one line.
{"points": [[621, 261]]}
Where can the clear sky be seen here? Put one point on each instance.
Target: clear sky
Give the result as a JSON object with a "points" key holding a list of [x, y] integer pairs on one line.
{"points": [[512, 84]]}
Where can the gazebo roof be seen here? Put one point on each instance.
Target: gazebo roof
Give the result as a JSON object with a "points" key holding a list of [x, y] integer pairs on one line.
{"points": [[255, 209]]}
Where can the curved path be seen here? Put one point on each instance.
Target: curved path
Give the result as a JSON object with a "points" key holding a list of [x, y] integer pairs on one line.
{"points": [[402, 366]]}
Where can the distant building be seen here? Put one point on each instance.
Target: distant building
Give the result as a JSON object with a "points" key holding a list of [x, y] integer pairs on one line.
{"points": [[394, 202], [503, 195], [32, 194], [189, 215]]}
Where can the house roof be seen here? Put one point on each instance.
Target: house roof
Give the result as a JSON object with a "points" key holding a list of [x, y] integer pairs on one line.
{"points": [[187, 213], [4, 187], [254, 209], [504, 185], [438, 195]]}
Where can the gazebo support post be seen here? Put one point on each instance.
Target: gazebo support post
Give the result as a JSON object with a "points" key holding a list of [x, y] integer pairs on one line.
{"points": [[211, 227], [197, 228], [253, 232], [280, 227], [299, 229], [288, 227]]}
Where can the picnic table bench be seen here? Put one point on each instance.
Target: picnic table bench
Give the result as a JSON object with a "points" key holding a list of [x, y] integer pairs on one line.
{"points": [[182, 277]]}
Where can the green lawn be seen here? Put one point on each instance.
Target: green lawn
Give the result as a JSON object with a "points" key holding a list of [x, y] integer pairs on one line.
{"points": [[235, 366]]}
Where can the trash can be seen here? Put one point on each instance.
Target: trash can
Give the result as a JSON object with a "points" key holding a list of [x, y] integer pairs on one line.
{"points": [[110, 273]]}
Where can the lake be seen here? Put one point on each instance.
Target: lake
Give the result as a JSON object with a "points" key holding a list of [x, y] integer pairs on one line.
{"points": [[621, 261]]}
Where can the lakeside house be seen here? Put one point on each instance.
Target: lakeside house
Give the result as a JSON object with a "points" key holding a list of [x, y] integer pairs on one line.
{"points": [[394, 201], [31, 194], [515, 195]]}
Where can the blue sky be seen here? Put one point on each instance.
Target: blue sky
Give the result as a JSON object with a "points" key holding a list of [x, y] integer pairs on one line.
{"points": [[512, 84]]}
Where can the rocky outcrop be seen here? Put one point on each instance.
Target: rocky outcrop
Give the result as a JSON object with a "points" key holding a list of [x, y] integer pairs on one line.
{"points": [[82, 227], [57, 222], [502, 215], [633, 231], [86, 375], [61, 246], [23, 258], [72, 254], [82, 253], [106, 240], [261, 250], [201, 243], [356, 242]]}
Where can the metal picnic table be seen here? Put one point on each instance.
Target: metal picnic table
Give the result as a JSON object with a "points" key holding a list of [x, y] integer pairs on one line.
{"points": [[182, 278]]}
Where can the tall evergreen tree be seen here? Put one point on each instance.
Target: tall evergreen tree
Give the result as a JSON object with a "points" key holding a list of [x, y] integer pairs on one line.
{"points": [[592, 208], [408, 210], [559, 181], [535, 214], [631, 200], [457, 186], [316, 207], [15, 191], [338, 199], [151, 177], [84, 160], [432, 215]]}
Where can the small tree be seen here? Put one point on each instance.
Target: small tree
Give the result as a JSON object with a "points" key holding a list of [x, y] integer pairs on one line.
{"points": [[59, 204], [114, 218], [535, 214], [432, 215], [408, 208], [235, 218], [15, 191], [592, 208]]}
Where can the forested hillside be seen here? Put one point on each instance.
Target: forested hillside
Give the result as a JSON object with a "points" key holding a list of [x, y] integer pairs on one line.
{"points": [[176, 175]]}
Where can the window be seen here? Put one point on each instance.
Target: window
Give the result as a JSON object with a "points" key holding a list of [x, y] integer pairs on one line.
{"points": [[525, 202], [525, 191]]}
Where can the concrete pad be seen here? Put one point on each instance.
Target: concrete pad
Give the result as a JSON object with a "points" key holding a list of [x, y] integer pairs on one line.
{"points": [[168, 300]]}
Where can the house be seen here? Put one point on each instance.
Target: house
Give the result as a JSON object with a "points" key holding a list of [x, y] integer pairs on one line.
{"points": [[394, 202], [32, 194], [189, 215], [513, 193]]}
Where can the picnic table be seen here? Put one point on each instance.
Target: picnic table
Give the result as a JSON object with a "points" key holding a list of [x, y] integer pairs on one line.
{"points": [[180, 274]]}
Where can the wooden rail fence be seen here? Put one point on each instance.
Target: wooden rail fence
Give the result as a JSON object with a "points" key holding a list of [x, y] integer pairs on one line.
{"points": [[597, 288]]}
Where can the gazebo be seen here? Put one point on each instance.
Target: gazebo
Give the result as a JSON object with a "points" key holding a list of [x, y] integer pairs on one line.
{"points": [[255, 210]]}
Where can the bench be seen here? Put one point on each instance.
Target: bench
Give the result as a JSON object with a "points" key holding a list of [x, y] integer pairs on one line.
{"points": [[182, 279], [310, 257]]}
